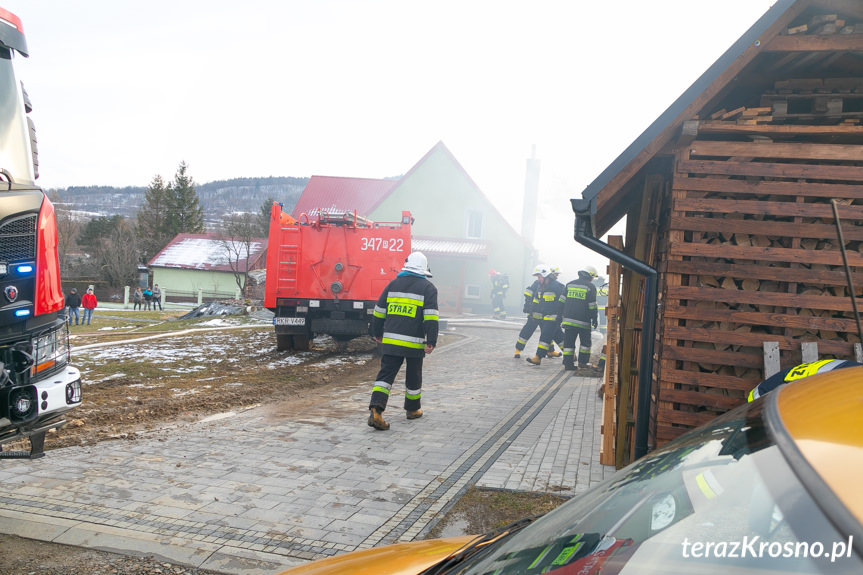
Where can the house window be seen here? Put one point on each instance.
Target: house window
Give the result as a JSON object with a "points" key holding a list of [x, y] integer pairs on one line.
{"points": [[471, 291], [474, 225]]}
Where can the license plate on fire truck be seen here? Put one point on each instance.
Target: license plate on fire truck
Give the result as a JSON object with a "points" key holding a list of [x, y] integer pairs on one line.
{"points": [[289, 321]]}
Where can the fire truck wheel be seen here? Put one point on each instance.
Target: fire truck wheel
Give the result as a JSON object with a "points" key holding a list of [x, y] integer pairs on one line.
{"points": [[284, 342], [301, 342]]}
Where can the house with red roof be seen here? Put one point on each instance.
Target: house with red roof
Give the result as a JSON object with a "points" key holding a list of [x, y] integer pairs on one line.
{"points": [[208, 263], [455, 226]]}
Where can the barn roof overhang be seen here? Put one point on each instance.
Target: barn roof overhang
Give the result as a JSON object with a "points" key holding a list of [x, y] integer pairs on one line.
{"points": [[759, 58]]}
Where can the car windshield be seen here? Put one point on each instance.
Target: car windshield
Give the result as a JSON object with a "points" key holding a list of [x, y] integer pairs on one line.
{"points": [[720, 499]]}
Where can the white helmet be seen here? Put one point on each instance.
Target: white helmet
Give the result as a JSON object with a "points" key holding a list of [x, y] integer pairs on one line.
{"points": [[555, 270], [591, 270], [542, 270], [417, 263]]}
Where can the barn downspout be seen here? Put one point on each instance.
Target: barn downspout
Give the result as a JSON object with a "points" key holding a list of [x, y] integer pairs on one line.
{"points": [[584, 236]]}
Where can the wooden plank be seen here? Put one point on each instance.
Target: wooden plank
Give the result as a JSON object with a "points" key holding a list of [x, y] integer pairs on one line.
{"points": [[666, 433], [715, 127], [712, 400], [719, 336], [692, 418], [773, 170], [771, 358], [762, 188], [796, 151], [820, 302], [763, 227], [713, 356], [810, 43], [782, 320], [767, 208], [701, 379], [771, 254]]}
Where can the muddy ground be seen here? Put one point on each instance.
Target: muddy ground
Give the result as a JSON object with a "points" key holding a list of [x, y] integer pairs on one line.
{"points": [[140, 377]]}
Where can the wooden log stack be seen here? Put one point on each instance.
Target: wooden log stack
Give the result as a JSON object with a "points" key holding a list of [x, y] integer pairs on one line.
{"points": [[751, 252]]}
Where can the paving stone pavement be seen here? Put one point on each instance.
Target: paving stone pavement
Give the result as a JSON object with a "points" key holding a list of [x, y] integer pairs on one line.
{"points": [[254, 494]]}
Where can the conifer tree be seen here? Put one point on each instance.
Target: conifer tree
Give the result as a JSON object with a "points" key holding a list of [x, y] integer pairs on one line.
{"points": [[152, 219], [262, 221], [184, 211]]}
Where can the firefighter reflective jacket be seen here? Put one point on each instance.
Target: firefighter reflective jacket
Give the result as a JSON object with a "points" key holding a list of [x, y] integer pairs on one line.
{"points": [[549, 302], [499, 285], [579, 304], [406, 316], [531, 301]]}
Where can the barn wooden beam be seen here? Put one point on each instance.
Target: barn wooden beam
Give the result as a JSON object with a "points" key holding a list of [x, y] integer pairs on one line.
{"points": [[815, 43]]}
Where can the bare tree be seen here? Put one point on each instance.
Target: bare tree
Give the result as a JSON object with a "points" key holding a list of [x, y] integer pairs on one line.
{"points": [[119, 253], [238, 233]]}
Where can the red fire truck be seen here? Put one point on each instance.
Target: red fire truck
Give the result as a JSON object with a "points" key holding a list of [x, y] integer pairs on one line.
{"points": [[37, 385], [324, 275]]}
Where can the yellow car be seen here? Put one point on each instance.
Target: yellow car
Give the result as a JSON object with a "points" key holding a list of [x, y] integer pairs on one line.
{"points": [[771, 487]]}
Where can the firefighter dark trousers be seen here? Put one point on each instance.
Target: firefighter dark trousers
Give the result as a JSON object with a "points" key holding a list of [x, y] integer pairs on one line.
{"points": [[497, 308], [526, 332], [390, 365], [548, 331], [570, 334]]}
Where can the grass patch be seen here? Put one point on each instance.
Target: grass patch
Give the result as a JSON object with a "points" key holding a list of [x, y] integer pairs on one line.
{"points": [[482, 510]]}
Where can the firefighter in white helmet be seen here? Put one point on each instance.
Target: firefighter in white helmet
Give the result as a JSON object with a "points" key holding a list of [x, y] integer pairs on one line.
{"points": [[550, 302], [405, 322]]}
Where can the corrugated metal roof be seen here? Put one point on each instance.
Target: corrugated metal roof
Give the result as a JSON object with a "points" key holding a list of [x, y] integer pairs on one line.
{"points": [[449, 247], [202, 252], [335, 194]]}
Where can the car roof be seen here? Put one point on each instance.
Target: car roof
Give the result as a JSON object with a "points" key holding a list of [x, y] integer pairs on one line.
{"points": [[822, 415]]}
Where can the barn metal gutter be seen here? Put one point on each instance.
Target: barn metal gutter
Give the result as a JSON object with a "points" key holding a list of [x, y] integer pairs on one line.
{"points": [[584, 236]]}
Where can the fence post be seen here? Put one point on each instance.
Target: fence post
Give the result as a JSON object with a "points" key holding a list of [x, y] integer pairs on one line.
{"points": [[126, 297], [771, 358], [200, 296], [809, 351], [237, 294]]}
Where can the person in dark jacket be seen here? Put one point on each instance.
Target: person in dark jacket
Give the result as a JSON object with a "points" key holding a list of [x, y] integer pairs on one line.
{"points": [[579, 317], [405, 323], [550, 306], [499, 285], [73, 302]]}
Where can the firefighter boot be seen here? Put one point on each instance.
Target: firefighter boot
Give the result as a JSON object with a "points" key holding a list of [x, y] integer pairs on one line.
{"points": [[376, 420], [415, 414], [535, 360], [517, 353], [553, 353], [569, 365]]}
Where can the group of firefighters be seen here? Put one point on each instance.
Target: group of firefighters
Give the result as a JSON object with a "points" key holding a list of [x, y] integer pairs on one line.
{"points": [[564, 314]]}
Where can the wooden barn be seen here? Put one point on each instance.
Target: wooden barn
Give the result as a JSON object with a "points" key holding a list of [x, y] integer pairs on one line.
{"points": [[731, 241]]}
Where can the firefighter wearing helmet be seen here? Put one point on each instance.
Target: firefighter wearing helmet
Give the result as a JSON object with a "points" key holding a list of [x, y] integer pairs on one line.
{"points": [[579, 317], [550, 306], [499, 285], [405, 322]]}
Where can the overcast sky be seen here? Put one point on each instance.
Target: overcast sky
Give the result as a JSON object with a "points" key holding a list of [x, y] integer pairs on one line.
{"points": [[126, 90]]}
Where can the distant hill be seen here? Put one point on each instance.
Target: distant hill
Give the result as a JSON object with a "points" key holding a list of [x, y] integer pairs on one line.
{"points": [[217, 198]]}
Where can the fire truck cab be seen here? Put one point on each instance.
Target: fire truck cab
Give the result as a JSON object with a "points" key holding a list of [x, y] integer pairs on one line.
{"points": [[37, 384]]}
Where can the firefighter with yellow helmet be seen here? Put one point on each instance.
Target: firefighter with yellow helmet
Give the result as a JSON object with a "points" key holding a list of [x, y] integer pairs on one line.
{"points": [[579, 317]]}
